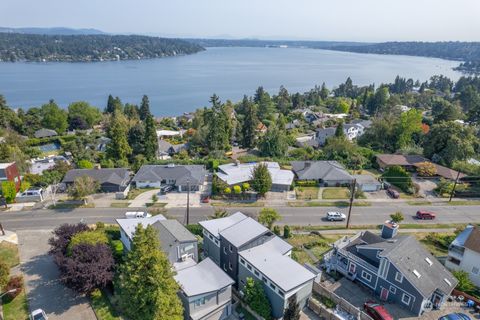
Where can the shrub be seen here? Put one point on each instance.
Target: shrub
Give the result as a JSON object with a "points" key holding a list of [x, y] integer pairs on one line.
{"points": [[154, 198], [84, 164], [396, 217], [268, 217], [245, 186], [227, 190], [15, 282], [464, 282], [87, 237], [237, 189], [256, 298], [100, 225], [24, 185], [399, 177], [62, 235], [426, 169], [276, 230], [9, 191], [306, 183], [4, 274], [286, 232], [196, 229], [117, 249]]}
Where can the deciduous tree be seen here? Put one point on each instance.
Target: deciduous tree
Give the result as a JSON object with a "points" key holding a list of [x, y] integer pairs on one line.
{"points": [[82, 187], [256, 298], [268, 217], [261, 179]]}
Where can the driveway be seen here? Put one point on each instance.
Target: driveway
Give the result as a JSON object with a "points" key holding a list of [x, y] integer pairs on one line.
{"points": [[44, 290], [143, 198], [179, 199], [427, 187]]}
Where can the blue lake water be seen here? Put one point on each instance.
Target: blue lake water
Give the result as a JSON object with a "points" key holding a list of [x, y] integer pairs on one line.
{"points": [[184, 83]]}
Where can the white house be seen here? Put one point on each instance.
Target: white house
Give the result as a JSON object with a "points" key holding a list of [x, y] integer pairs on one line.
{"points": [[464, 253]]}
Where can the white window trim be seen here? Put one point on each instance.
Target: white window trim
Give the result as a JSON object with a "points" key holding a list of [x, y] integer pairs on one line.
{"points": [[403, 299], [396, 277], [393, 289], [366, 276]]}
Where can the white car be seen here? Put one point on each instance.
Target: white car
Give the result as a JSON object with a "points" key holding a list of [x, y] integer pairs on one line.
{"points": [[38, 314], [336, 216], [137, 215]]}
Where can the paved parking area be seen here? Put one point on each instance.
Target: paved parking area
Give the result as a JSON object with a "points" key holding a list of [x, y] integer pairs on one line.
{"points": [[44, 290]]}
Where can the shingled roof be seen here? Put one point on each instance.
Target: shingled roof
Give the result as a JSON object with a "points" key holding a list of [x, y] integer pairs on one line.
{"points": [[473, 240], [316, 170], [195, 174], [116, 176]]}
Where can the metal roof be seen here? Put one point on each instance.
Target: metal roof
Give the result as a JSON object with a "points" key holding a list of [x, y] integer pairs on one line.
{"points": [[235, 173], [215, 226], [195, 174], [171, 230], [243, 231], [129, 225], [316, 170], [117, 176]]}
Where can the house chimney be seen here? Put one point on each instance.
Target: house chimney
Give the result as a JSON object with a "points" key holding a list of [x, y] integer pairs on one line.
{"points": [[389, 229], [308, 164]]}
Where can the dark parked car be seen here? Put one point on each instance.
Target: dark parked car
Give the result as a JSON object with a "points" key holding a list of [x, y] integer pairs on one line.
{"points": [[425, 215], [165, 188], [376, 311], [455, 316], [393, 193]]}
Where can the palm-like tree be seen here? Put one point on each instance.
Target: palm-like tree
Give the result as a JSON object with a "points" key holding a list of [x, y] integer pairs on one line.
{"points": [[219, 213]]}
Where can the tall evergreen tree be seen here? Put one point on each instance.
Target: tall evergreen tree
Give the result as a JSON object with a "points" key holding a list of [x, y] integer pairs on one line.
{"points": [[274, 143], [144, 108], [146, 287], [250, 123], [118, 149], [324, 92], [110, 108], [284, 102], [150, 140], [136, 139], [218, 126], [339, 131]]}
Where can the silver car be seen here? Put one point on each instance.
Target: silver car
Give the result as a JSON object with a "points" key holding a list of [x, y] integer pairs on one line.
{"points": [[336, 216]]}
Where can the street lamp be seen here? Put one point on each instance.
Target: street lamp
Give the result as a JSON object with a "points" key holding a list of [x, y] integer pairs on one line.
{"points": [[9, 291]]}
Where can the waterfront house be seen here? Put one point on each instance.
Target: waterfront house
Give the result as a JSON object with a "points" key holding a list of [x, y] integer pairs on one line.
{"points": [[464, 253], [396, 268]]}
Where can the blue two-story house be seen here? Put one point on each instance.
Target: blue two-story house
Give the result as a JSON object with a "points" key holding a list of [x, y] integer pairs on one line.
{"points": [[396, 267]]}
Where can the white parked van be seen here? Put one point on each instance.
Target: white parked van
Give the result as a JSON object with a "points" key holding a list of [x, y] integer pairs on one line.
{"points": [[137, 215]]}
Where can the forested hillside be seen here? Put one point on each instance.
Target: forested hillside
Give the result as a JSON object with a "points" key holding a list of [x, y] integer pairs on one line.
{"points": [[72, 48]]}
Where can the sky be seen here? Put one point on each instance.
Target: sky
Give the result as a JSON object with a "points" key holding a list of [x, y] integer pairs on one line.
{"points": [[342, 20]]}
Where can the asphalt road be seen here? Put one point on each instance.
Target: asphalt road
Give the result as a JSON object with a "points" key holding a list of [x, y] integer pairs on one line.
{"points": [[375, 214]]}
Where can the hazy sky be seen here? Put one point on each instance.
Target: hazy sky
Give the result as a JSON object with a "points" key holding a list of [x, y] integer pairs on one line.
{"points": [[358, 20]]}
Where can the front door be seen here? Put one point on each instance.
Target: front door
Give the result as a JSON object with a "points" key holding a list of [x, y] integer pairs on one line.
{"points": [[384, 294]]}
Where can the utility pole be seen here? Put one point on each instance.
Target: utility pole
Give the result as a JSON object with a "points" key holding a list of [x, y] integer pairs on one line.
{"points": [[454, 186], [352, 196], [188, 201]]}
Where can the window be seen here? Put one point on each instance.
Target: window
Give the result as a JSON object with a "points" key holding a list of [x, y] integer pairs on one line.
{"points": [[406, 299], [224, 267], [230, 248], [393, 289], [242, 261], [383, 270], [272, 286], [230, 266], [429, 261], [199, 302], [367, 276], [225, 250], [216, 242], [378, 254], [242, 282], [352, 268], [249, 267], [475, 270], [399, 277], [280, 292], [264, 279], [256, 273]]}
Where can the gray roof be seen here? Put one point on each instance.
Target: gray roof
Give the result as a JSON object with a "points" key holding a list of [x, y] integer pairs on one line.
{"points": [[201, 278], [45, 133], [180, 173], [116, 176], [163, 146], [285, 272], [235, 173], [315, 170], [323, 134], [366, 179], [129, 225], [416, 264], [243, 231], [215, 226], [171, 231]]}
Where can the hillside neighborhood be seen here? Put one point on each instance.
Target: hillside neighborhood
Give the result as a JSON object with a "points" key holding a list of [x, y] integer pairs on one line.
{"points": [[355, 203]]}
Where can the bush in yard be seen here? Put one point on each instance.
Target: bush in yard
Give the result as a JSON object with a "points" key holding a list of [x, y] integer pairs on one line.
{"points": [[245, 186], [396, 217], [62, 236], [261, 179], [117, 249], [464, 283], [256, 298], [268, 217], [196, 229], [99, 225], [91, 237], [227, 190], [154, 198], [9, 191], [306, 183], [399, 177], [237, 190], [277, 230], [87, 268], [24, 185], [426, 169], [286, 232], [82, 187], [15, 282], [4, 274], [84, 164]]}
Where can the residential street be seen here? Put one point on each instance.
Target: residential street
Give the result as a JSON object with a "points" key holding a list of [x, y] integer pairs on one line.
{"points": [[375, 214]]}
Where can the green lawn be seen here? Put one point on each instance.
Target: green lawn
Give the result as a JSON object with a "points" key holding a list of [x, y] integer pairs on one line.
{"points": [[119, 204], [70, 206], [9, 254], [301, 256], [102, 306], [328, 204], [436, 243], [307, 193], [238, 204], [16, 309], [419, 203], [156, 204], [133, 193], [335, 193], [317, 244], [464, 203]]}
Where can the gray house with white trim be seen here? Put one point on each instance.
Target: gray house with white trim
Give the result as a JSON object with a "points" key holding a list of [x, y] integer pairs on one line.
{"points": [[178, 176], [326, 173], [244, 248], [396, 267]]}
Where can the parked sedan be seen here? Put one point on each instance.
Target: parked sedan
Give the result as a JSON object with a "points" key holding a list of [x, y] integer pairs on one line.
{"points": [[376, 311], [336, 216], [38, 314], [455, 316], [425, 215]]}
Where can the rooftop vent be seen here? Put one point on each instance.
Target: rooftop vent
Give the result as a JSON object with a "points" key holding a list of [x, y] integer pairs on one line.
{"points": [[429, 261], [416, 273]]}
